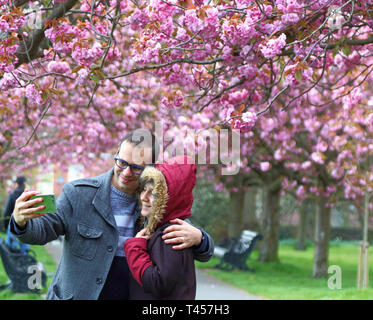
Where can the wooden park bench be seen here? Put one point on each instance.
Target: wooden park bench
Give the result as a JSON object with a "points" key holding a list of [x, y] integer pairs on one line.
{"points": [[238, 251]]}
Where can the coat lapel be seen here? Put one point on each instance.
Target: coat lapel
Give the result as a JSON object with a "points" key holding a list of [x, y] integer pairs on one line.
{"points": [[101, 201]]}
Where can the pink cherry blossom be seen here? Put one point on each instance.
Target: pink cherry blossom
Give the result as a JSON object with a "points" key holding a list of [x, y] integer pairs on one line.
{"points": [[33, 94], [301, 193], [273, 47], [58, 67], [8, 81], [82, 76], [265, 166], [138, 19], [317, 157]]}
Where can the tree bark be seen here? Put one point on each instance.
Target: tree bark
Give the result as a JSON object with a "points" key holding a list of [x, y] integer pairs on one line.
{"points": [[302, 228], [322, 235], [249, 219], [235, 214], [270, 224]]}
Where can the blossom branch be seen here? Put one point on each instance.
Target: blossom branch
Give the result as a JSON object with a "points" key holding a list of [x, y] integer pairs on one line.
{"points": [[30, 49]]}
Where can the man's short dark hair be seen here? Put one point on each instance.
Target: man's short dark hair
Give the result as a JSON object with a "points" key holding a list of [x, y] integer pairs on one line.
{"points": [[144, 136]]}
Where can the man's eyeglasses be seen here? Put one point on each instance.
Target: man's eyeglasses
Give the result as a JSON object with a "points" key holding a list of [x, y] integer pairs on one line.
{"points": [[122, 164]]}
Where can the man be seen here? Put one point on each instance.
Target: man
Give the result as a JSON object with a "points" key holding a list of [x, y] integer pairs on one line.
{"points": [[11, 240], [97, 216]]}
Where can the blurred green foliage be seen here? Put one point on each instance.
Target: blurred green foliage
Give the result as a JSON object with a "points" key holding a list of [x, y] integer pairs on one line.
{"points": [[210, 209]]}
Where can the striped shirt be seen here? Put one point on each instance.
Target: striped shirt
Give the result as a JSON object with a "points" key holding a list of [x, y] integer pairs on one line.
{"points": [[125, 210]]}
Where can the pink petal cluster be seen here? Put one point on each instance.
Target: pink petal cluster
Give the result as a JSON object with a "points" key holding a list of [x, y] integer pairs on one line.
{"points": [[265, 166], [8, 81], [58, 67], [208, 25], [86, 56], [139, 19], [16, 23], [174, 100], [82, 76], [239, 33], [34, 95], [246, 123], [273, 47]]}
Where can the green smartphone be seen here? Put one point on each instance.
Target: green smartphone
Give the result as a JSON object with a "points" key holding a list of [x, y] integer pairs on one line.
{"points": [[49, 202]]}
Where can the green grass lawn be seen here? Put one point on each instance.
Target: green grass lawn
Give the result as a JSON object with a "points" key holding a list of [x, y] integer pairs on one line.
{"points": [[292, 277], [42, 256]]}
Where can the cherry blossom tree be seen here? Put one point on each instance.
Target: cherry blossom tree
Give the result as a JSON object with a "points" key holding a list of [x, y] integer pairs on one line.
{"points": [[316, 155], [253, 52], [75, 76]]}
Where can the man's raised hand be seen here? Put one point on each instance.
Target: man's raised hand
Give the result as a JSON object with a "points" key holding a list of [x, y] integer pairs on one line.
{"points": [[182, 234], [23, 210]]}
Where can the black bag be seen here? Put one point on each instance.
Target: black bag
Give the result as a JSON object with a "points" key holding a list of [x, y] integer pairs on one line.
{"points": [[26, 274]]}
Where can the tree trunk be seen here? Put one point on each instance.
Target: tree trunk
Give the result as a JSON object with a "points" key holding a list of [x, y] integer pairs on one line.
{"points": [[322, 234], [249, 219], [270, 224], [235, 214], [302, 228]]}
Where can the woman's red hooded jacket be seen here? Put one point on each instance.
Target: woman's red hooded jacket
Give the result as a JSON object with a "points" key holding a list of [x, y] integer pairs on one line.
{"points": [[160, 271]]}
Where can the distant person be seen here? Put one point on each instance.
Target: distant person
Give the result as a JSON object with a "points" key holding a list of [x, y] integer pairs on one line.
{"points": [[166, 193], [12, 240]]}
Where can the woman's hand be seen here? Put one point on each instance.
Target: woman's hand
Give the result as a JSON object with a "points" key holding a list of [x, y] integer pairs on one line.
{"points": [[141, 234]]}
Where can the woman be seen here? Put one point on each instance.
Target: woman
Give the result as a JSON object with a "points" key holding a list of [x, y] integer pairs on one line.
{"points": [[158, 271]]}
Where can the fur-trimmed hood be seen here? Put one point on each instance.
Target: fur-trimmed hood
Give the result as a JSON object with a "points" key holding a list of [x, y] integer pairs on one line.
{"points": [[173, 189]]}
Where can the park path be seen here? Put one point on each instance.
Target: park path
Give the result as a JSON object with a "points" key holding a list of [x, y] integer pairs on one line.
{"points": [[208, 287]]}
